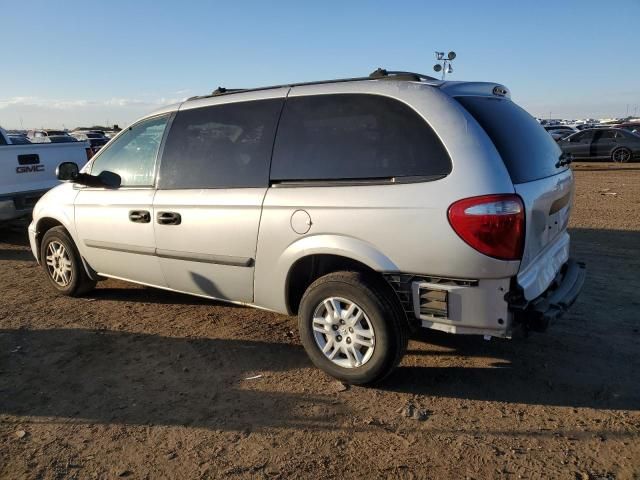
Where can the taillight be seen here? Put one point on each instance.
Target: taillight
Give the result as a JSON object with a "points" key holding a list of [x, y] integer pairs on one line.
{"points": [[492, 224], [89, 153]]}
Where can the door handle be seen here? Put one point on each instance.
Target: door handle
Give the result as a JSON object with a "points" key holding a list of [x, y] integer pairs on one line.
{"points": [[139, 216], [169, 218]]}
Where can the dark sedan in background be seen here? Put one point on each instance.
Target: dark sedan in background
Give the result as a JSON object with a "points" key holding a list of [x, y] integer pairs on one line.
{"points": [[559, 131], [615, 144], [95, 138]]}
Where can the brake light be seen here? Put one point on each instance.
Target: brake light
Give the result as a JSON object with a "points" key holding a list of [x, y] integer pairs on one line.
{"points": [[89, 153], [492, 224]]}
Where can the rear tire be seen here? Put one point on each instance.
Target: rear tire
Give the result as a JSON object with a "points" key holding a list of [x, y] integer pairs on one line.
{"points": [[351, 328], [621, 155], [62, 264]]}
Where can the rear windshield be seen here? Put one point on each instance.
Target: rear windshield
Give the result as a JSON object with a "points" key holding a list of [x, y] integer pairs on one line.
{"points": [[61, 139], [527, 149]]}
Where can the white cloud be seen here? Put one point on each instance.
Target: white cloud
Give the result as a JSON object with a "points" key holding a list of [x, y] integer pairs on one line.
{"points": [[64, 104], [37, 112]]}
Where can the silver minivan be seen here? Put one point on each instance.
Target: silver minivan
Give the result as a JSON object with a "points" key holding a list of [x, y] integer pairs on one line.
{"points": [[368, 207]]}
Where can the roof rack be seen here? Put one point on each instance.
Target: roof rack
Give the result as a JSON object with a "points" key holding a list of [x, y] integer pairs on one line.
{"points": [[378, 74], [382, 74], [222, 91]]}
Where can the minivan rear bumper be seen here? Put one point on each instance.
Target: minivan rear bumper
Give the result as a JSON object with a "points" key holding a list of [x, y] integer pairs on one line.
{"points": [[537, 314], [536, 278]]}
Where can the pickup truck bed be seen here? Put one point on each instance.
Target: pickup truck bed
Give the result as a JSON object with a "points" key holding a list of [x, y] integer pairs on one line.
{"points": [[28, 171]]}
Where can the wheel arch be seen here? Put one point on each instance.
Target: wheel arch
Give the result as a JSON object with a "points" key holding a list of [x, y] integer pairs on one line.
{"points": [[309, 258], [46, 223], [43, 225]]}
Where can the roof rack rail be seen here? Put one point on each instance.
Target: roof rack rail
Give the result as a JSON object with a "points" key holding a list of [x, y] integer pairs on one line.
{"points": [[383, 74], [378, 74], [222, 91]]}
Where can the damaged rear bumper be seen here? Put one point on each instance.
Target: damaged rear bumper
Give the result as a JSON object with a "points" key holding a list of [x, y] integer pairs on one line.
{"points": [[563, 291]]}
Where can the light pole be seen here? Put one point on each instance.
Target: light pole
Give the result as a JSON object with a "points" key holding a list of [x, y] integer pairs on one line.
{"points": [[446, 63]]}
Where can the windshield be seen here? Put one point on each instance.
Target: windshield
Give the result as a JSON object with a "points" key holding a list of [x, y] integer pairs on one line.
{"points": [[527, 149]]}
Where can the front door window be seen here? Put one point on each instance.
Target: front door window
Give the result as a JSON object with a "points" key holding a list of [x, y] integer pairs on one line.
{"points": [[133, 154]]}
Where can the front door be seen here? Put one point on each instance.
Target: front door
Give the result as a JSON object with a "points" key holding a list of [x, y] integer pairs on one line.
{"points": [[604, 141], [115, 226], [579, 145], [214, 174]]}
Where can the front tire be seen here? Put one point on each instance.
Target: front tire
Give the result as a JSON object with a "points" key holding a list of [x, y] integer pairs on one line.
{"points": [[63, 265], [621, 155], [351, 328]]}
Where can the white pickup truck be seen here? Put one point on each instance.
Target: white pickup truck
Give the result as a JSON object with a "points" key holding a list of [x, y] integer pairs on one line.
{"points": [[28, 171]]}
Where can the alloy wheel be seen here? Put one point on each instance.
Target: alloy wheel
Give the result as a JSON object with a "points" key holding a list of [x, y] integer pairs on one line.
{"points": [[621, 156], [58, 263]]}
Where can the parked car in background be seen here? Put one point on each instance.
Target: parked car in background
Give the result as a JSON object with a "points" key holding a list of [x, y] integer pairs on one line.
{"points": [[585, 126], [40, 136], [368, 207], [17, 139], [615, 144], [633, 127], [95, 138], [97, 133], [59, 139], [553, 128], [559, 131], [28, 170]]}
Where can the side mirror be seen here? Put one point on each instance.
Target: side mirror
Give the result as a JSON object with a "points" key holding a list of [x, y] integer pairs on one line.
{"points": [[67, 171], [109, 179]]}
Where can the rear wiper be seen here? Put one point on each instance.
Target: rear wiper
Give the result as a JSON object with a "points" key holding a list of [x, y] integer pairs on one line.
{"points": [[565, 159]]}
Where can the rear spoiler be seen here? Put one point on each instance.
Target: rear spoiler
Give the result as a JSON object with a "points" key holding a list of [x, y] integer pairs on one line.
{"points": [[476, 89]]}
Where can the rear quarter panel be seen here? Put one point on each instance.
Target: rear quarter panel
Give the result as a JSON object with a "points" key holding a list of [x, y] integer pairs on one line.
{"points": [[396, 227]]}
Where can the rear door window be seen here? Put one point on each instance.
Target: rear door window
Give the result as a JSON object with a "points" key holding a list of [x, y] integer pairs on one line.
{"points": [[605, 136], [355, 136], [527, 150], [585, 136], [220, 146]]}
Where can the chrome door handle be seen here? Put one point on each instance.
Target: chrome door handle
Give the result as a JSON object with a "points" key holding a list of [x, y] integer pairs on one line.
{"points": [[139, 216], [169, 218]]}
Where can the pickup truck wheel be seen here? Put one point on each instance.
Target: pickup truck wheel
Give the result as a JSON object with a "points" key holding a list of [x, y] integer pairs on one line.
{"points": [[351, 329], [63, 265]]}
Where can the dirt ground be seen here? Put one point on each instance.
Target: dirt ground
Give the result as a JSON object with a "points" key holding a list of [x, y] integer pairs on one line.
{"points": [[143, 384]]}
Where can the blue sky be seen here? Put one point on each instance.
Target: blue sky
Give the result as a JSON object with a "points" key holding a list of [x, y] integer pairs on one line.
{"points": [[70, 63]]}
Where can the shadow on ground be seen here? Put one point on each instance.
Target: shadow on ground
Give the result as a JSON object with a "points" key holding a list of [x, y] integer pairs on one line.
{"points": [[14, 243], [115, 377], [589, 359], [150, 295], [14, 233], [614, 167], [16, 254]]}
